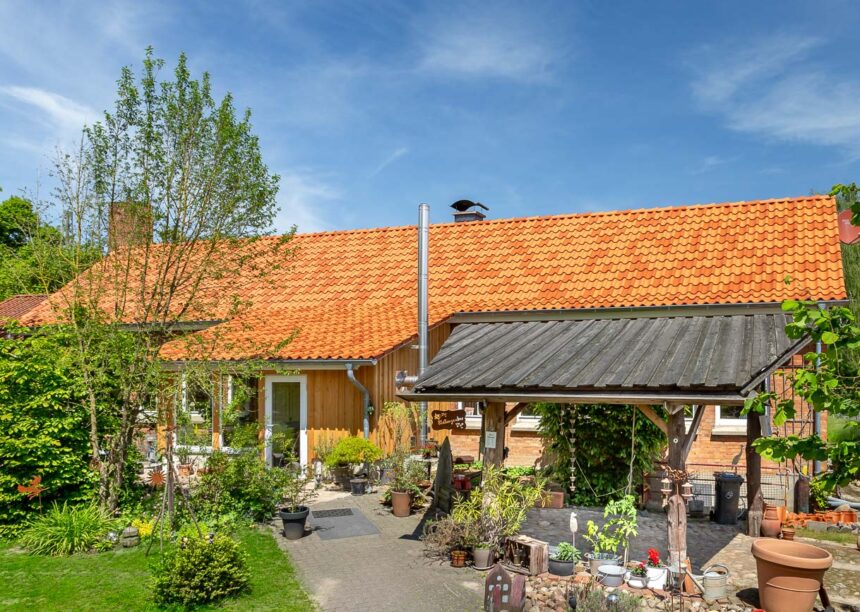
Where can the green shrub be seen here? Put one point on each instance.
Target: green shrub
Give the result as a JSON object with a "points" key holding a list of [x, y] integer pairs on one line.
{"points": [[240, 483], [353, 450], [44, 428], [566, 551], [199, 572], [66, 529]]}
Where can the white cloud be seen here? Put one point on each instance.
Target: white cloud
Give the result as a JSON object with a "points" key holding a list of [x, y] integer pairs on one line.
{"points": [[775, 89], [395, 155], [710, 162], [490, 44], [52, 108], [303, 198]]}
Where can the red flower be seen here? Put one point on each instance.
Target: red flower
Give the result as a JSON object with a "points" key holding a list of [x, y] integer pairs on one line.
{"points": [[653, 557]]}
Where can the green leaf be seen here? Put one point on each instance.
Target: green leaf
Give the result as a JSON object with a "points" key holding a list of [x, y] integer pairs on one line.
{"points": [[829, 337]]}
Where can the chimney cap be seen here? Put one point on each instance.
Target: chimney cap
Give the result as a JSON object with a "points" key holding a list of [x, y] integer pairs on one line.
{"points": [[464, 205]]}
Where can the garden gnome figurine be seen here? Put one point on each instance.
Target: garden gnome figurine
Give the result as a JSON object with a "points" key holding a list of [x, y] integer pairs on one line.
{"points": [[573, 527]]}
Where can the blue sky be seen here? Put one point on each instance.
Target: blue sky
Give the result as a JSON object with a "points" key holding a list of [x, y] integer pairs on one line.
{"points": [[367, 108]]}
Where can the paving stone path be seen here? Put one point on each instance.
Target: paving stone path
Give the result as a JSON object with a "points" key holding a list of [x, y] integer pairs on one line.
{"points": [[384, 571]]}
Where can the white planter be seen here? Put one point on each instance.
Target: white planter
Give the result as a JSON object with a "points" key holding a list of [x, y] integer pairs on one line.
{"points": [[637, 582], [657, 577]]}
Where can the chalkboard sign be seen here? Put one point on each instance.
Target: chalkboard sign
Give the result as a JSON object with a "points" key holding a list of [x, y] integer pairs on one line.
{"points": [[448, 419]]}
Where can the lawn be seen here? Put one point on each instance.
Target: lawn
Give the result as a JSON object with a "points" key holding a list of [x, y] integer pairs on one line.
{"points": [[828, 536], [119, 580]]}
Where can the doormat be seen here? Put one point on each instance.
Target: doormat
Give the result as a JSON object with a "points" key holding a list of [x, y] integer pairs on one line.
{"points": [[331, 513], [341, 523]]}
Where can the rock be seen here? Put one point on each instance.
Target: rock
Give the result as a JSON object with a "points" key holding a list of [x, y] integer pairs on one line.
{"points": [[843, 508], [817, 525], [129, 542], [130, 532]]}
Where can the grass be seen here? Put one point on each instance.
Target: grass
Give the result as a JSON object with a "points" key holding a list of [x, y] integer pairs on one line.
{"points": [[827, 536], [119, 580]]}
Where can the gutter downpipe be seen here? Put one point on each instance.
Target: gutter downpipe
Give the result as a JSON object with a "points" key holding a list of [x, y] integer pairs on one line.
{"points": [[365, 394], [423, 264]]}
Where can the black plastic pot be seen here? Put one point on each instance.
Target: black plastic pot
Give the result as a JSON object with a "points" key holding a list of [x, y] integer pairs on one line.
{"points": [[561, 568], [358, 486], [294, 522]]}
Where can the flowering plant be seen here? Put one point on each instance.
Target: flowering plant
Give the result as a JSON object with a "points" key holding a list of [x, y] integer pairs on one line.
{"points": [[639, 570], [654, 558]]}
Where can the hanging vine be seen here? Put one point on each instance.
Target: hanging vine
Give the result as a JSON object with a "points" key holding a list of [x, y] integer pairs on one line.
{"points": [[590, 448]]}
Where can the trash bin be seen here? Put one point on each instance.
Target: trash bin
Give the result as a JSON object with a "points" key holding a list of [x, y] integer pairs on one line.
{"points": [[727, 492]]}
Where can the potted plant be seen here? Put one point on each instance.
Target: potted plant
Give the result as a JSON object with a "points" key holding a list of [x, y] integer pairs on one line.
{"points": [[404, 484], [347, 454], [296, 495], [562, 561], [614, 533], [638, 577], [494, 511], [656, 571], [183, 455]]}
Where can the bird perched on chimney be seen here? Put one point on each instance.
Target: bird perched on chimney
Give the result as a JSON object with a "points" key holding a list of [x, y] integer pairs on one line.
{"points": [[464, 205]]}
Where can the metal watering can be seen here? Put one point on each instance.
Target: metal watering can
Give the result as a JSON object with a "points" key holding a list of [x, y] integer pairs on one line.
{"points": [[715, 581]]}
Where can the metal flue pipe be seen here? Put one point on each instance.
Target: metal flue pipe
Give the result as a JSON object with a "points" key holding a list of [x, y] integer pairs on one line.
{"points": [[423, 288]]}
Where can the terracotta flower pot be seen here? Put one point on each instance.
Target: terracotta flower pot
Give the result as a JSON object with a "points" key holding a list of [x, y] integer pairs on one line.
{"points": [[770, 523], [458, 558], [788, 533], [789, 574], [401, 503]]}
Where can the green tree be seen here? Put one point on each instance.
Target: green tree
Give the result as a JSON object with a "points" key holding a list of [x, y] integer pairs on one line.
{"points": [[18, 220], [828, 383], [181, 176]]}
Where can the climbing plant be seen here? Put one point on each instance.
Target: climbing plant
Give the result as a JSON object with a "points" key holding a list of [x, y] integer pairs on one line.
{"points": [[830, 382], [602, 446]]}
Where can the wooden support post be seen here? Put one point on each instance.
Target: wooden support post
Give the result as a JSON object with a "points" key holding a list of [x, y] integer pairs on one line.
{"points": [[677, 436], [511, 414], [494, 434], [752, 457]]}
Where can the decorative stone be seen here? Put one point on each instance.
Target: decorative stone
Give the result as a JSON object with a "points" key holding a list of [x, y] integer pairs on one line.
{"points": [[130, 532], [129, 542]]}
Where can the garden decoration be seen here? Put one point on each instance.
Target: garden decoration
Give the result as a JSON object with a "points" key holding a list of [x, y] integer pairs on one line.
{"points": [[574, 525], [503, 591], [33, 489], [676, 504], [715, 580], [156, 477]]}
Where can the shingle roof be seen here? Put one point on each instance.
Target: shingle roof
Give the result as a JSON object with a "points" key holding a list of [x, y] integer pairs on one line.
{"points": [[18, 305], [352, 294], [619, 356]]}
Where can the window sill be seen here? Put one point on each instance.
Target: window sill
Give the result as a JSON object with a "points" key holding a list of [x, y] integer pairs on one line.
{"points": [[525, 425], [729, 430]]}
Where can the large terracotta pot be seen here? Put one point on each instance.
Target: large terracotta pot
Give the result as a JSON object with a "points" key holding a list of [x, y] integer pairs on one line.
{"points": [[401, 503], [789, 574], [770, 523]]}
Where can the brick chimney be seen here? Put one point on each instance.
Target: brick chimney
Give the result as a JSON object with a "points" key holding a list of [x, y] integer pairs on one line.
{"points": [[129, 224]]}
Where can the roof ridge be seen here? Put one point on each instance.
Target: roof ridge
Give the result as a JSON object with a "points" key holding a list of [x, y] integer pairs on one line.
{"points": [[555, 217]]}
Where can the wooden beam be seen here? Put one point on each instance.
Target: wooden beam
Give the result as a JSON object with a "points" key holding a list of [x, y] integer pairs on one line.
{"points": [[511, 414], [494, 423], [698, 412], [752, 457], [655, 418], [676, 435]]}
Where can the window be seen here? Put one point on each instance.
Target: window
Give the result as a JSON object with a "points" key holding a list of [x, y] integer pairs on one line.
{"points": [[528, 418], [240, 418], [729, 419], [473, 414], [194, 420]]}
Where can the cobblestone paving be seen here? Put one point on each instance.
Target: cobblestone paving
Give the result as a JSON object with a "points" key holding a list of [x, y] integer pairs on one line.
{"points": [[707, 543], [380, 572]]}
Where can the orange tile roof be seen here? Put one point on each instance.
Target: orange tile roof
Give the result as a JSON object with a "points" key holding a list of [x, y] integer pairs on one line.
{"points": [[17, 306], [352, 294]]}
